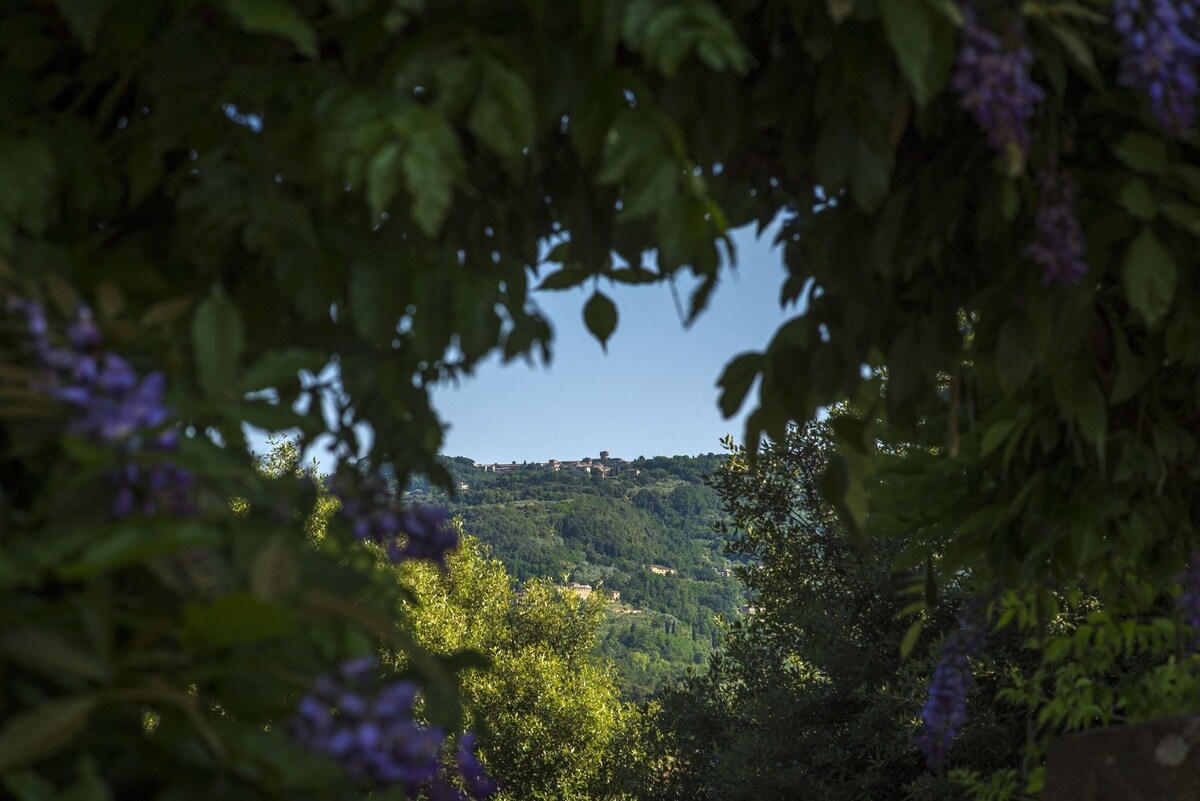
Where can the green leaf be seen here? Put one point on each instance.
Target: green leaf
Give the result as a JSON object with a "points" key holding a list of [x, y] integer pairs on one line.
{"points": [[1184, 216], [566, 278], [27, 180], [376, 300], [270, 417], [89, 786], [466, 660], [843, 488], [667, 33], [83, 16], [144, 167], [835, 150], [1143, 153], [1077, 48], [431, 162], [600, 316], [923, 41], [560, 253], [1010, 202], [50, 653], [593, 115], [280, 368], [133, 541], [277, 18], [1132, 372], [502, 116], [1015, 357], [166, 311], [853, 434], [43, 730], [218, 339], [62, 292], [736, 380], [912, 636], [634, 145], [274, 572], [871, 175], [350, 8], [632, 276], [1182, 342], [1149, 277], [383, 178], [1091, 415], [28, 785], [698, 301], [233, 620], [650, 189], [1138, 199], [996, 435], [1079, 395]]}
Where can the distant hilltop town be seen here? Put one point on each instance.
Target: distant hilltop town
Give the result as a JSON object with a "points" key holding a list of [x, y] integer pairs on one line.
{"points": [[606, 466]]}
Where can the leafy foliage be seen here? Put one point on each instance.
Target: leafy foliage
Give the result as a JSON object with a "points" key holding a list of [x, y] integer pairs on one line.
{"points": [[150, 655], [1098, 665], [811, 691], [549, 721], [248, 191], [608, 533]]}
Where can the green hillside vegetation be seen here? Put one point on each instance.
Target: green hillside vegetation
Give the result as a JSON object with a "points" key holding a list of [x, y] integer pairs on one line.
{"points": [[546, 711], [570, 526]]}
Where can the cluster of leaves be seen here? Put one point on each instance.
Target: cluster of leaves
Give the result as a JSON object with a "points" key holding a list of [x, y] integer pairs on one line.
{"points": [[148, 655], [244, 189], [1054, 419], [549, 721], [811, 691], [1098, 665], [404, 165]]}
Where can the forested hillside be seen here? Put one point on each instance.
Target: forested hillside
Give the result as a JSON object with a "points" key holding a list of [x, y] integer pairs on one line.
{"points": [[645, 532]]}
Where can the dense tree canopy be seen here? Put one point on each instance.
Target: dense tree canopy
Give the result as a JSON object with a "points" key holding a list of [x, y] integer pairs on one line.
{"points": [[549, 721], [810, 691], [989, 212], [609, 532], [378, 181]]}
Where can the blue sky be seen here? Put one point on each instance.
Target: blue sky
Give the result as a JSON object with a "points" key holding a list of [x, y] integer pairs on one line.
{"points": [[654, 392]]}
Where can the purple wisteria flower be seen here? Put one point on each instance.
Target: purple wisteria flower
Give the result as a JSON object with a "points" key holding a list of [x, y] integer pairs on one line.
{"points": [[992, 79], [1188, 602], [945, 713], [1058, 242], [1160, 57], [156, 488], [376, 739], [107, 399], [108, 402], [375, 516], [426, 536], [479, 784]]}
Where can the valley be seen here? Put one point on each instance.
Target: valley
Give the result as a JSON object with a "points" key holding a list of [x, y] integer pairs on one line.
{"points": [[638, 537]]}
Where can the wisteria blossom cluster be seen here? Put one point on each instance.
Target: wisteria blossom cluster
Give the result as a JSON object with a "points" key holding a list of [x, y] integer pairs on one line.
{"points": [[992, 79], [945, 713], [1160, 57], [1188, 602], [1058, 242], [376, 739], [158, 488], [108, 402], [408, 533]]}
